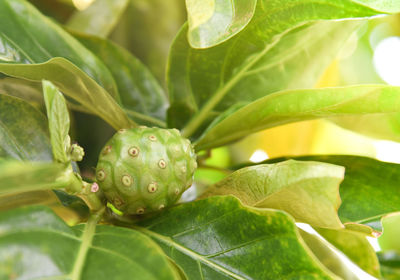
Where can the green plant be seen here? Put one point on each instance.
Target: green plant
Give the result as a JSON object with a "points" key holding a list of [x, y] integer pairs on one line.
{"points": [[235, 68]]}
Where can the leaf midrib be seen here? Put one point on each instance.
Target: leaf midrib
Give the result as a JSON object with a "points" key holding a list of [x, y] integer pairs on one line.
{"points": [[190, 253]]}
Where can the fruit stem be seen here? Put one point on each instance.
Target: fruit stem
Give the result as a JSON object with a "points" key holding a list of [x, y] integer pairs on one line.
{"points": [[92, 196]]}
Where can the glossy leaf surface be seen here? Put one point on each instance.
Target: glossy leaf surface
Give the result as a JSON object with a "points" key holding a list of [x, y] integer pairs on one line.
{"points": [[366, 194], [141, 95], [99, 19], [74, 83], [214, 21], [29, 235], [57, 114], [309, 191], [28, 37], [202, 82], [23, 131], [218, 238], [298, 105]]}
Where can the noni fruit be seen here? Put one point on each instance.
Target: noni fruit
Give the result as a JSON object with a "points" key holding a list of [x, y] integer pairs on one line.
{"points": [[142, 170]]}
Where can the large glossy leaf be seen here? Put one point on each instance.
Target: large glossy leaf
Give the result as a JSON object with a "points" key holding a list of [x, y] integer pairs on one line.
{"points": [[218, 238], [369, 189], [212, 22], [35, 243], [309, 191], [355, 246], [141, 95], [57, 114], [100, 18], [28, 37], [297, 105], [74, 83], [204, 81], [17, 176], [23, 131]]}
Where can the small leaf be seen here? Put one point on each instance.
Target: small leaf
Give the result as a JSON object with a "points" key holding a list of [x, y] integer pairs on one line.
{"points": [[355, 246], [213, 22], [29, 236], [297, 105], [309, 191], [141, 95], [218, 238], [17, 176], [99, 18], [23, 131], [57, 114], [74, 83]]}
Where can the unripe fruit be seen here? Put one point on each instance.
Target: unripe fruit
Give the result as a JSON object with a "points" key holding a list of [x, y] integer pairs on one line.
{"points": [[142, 170]]}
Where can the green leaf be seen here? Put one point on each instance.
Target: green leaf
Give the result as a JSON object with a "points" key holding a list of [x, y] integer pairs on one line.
{"points": [[309, 191], [74, 83], [99, 19], [58, 117], [213, 22], [385, 126], [389, 240], [247, 67], [355, 246], [17, 176], [366, 194], [298, 105], [29, 236], [141, 95], [28, 37], [23, 131], [327, 256], [218, 238]]}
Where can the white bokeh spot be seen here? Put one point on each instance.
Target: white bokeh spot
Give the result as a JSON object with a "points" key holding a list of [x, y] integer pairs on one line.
{"points": [[387, 60]]}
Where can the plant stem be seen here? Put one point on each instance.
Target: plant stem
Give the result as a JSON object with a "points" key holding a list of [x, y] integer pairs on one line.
{"points": [[223, 170], [87, 237]]}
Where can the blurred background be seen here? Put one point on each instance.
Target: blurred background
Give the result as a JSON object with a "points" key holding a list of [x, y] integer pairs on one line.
{"points": [[371, 56]]}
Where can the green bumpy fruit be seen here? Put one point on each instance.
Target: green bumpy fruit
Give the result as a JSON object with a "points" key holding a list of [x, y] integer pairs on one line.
{"points": [[143, 170]]}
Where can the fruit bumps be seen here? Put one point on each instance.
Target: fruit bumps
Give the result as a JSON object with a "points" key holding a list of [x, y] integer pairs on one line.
{"points": [[143, 169]]}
